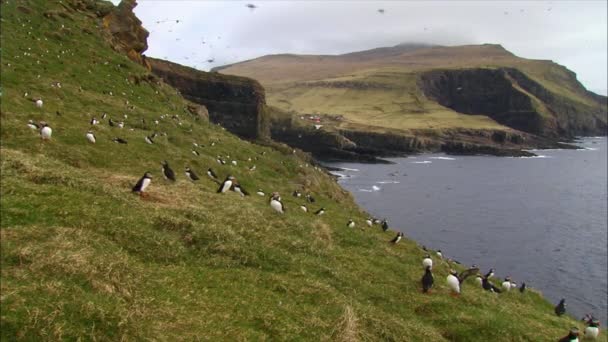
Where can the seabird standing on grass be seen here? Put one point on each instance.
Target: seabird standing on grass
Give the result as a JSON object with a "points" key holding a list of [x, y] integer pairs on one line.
{"points": [[427, 280], [236, 187], [260, 192], [191, 174], [506, 285], [149, 139], [369, 221], [384, 225], [31, 124], [310, 199], [320, 212], [427, 261], [439, 254], [211, 174], [490, 273], [168, 172], [592, 330], [522, 288], [94, 121], [350, 224], [397, 238], [453, 283], [226, 184], [560, 309], [275, 203], [571, 337], [45, 131], [304, 208], [119, 141], [90, 137], [143, 183], [39, 103]]}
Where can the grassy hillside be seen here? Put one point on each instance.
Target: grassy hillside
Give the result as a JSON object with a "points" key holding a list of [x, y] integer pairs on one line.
{"points": [[84, 258], [380, 88]]}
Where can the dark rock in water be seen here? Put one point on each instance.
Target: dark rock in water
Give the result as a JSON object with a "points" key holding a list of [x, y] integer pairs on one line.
{"points": [[470, 149]]}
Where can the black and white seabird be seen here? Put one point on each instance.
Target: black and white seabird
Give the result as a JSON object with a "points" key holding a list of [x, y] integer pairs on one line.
{"points": [[310, 199], [560, 309], [506, 285], [211, 174], [369, 221], [195, 152], [320, 212], [168, 172], [90, 137], [226, 184], [276, 204], [522, 288], [119, 141], [94, 121], [592, 330], [260, 192], [191, 174], [31, 124], [45, 131], [439, 254], [571, 337], [490, 273], [143, 183], [149, 139], [427, 280], [111, 122], [453, 283], [397, 238], [384, 225], [304, 208], [38, 103], [236, 187], [427, 261], [296, 193], [488, 286]]}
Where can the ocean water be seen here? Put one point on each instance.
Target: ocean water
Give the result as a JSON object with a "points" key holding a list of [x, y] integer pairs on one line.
{"points": [[541, 220]]}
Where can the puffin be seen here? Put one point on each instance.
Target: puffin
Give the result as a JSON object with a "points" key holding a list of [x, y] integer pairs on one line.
{"points": [[167, 171], [142, 183], [31, 124], [111, 122], [384, 225], [320, 212], [226, 184], [119, 140], [304, 208], [427, 280], [252, 168], [560, 308], [211, 174], [39, 103], [195, 152], [234, 162], [94, 121], [490, 273], [369, 221], [260, 193], [592, 330], [121, 124], [236, 187], [439, 254], [479, 280], [191, 175], [427, 261], [149, 139], [397, 238], [506, 285], [45, 131], [296, 193], [453, 283], [90, 137], [522, 288], [276, 204], [310, 199], [571, 337], [350, 224], [488, 286]]}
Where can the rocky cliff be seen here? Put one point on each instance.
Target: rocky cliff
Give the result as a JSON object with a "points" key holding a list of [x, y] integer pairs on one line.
{"points": [[513, 99], [127, 34], [237, 103]]}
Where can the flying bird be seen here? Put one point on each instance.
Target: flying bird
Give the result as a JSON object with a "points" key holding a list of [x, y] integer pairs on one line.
{"points": [[251, 6], [381, 10]]}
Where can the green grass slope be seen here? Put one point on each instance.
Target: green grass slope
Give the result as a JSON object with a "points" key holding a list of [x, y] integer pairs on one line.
{"points": [[85, 259]]}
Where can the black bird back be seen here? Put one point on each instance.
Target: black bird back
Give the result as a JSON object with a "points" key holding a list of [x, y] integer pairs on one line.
{"points": [[427, 280], [168, 172]]}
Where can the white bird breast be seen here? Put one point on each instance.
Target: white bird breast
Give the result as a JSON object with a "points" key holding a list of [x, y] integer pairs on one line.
{"points": [[46, 132], [427, 262], [453, 283], [276, 205], [39, 103], [145, 184], [506, 285], [592, 332], [91, 137], [227, 185]]}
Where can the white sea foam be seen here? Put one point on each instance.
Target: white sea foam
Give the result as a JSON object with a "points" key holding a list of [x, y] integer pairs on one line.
{"points": [[540, 156], [422, 162], [341, 175], [443, 158], [347, 169], [388, 182], [375, 188], [365, 190]]}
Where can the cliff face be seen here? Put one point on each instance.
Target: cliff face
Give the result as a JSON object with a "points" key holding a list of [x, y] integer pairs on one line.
{"points": [[513, 99], [127, 34], [237, 103]]}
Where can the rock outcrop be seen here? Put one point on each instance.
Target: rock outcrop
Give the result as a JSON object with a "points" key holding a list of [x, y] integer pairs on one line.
{"points": [[237, 103], [127, 35]]}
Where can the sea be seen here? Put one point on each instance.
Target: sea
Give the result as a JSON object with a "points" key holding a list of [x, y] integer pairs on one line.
{"points": [[541, 220]]}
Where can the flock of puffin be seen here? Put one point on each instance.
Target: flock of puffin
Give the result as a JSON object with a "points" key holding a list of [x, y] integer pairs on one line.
{"points": [[454, 279]]}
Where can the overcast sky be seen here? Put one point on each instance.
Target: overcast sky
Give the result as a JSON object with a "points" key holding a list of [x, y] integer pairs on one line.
{"points": [[571, 33]]}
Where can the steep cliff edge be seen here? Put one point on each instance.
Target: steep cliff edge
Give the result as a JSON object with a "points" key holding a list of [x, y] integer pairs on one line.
{"points": [[513, 99], [237, 103]]}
